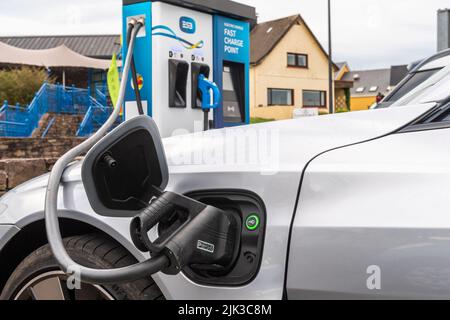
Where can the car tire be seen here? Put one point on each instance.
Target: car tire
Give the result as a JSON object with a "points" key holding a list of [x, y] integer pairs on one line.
{"points": [[92, 250]]}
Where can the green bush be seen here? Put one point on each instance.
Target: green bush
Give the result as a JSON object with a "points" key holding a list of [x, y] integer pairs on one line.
{"points": [[20, 85]]}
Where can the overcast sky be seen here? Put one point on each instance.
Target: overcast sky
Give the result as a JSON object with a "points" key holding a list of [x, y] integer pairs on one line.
{"points": [[367, 33]]}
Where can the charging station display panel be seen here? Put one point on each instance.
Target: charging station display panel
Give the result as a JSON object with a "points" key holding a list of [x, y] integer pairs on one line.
{"points": [[231, 67], [233, 92], [181, 38]]}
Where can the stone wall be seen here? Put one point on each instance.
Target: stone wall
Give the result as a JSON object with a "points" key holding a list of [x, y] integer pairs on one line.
{"points": [[14, 172], [24, 159], [29, 148]]}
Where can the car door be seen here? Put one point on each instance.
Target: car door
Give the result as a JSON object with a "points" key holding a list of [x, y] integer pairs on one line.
{"points": [[373, 219]]}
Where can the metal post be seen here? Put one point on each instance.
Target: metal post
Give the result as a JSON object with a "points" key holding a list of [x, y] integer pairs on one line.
{"points": [[206, 120], [88, 97], [72, 103], [5, 104], [443, 29], [330, 61], [89, 82], [58, 98]]}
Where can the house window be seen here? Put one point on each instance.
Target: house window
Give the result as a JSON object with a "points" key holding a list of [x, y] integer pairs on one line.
{"points": [[280, 97], [314, 99], [297, 60], [373, 89], [360, 89]]}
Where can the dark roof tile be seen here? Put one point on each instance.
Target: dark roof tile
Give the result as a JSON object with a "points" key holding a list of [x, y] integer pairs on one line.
{"points": [[265, 36], [367, 79], [380, 78]]}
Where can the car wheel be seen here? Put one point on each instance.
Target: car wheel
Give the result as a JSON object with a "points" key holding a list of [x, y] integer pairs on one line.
{"points": [[38, 277]]}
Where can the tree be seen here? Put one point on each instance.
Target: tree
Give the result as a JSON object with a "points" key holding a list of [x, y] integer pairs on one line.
{"points": [[19, 85]]}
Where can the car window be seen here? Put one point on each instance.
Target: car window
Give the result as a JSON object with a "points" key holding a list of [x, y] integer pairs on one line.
{"points": [[445, 118], [415, 80], [441, 115], [434, 89]]}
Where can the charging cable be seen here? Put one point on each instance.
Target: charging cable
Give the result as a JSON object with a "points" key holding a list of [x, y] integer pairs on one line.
{"points": [[89, 275], [138, 25]]}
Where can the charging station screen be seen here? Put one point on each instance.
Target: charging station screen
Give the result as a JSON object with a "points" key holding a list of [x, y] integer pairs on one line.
{"points": [[233, 92], [227, 81]]}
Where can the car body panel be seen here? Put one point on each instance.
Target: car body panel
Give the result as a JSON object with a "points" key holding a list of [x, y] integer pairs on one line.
{"points": [[6, 234], [382, 204], [272, 168], [442, 60]]}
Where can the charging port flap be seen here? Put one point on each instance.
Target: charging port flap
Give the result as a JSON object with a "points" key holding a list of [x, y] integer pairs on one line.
{"points": [[122, 172]]}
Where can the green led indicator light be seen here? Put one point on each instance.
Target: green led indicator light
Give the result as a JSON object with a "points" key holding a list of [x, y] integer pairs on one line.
{"points": [[252, 222]]}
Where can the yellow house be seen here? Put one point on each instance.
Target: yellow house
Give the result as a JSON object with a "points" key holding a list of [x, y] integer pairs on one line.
{"points": [[368, 84], [289, 69]]}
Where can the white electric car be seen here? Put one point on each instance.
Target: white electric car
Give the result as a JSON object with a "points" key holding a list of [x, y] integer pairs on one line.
{"points": [[347, 206]]}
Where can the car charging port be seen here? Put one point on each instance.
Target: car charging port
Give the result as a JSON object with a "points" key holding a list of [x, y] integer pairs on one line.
{"points": [[109, 161], [249, 210], [190, 234]]}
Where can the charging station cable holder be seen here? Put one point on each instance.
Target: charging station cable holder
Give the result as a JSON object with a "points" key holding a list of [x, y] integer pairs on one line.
{"points": [[206, 86]]}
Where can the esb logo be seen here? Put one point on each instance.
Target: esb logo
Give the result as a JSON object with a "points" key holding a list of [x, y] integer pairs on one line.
{"points": [[187, 25]]}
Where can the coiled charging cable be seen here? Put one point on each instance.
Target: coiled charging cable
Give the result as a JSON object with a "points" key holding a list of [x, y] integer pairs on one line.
{"points": [[89, 275]]}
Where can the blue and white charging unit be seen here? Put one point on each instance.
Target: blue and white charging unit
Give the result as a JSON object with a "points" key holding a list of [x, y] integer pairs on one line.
{"points": [[189, 51]]}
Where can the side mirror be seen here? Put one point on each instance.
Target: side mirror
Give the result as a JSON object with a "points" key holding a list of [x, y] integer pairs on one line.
{"points": [[126, 169]]}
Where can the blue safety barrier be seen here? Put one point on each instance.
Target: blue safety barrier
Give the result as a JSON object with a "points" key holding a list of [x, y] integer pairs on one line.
{"points": [[21, 121], [96, 116], [101, 94], [49, 126]]}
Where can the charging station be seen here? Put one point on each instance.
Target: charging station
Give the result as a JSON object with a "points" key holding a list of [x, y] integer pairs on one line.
{"points": [[125, 173], [184, 43]]}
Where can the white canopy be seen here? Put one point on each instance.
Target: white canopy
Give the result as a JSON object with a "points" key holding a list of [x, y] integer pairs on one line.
{"points": [[60, 56]]}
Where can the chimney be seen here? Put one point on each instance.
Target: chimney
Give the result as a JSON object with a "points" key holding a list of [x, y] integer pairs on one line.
{"points": [[443, 29]]}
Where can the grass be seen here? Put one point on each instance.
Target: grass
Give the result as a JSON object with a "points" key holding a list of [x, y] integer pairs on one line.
{"points": [[342, 110], [260, 120]]}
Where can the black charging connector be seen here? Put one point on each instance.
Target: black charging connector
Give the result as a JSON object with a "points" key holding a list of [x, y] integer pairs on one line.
{"points": [[109, 161], [193, 234]]}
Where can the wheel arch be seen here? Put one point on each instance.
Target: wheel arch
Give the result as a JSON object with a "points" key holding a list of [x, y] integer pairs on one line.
{"points": [[32, 235]]}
